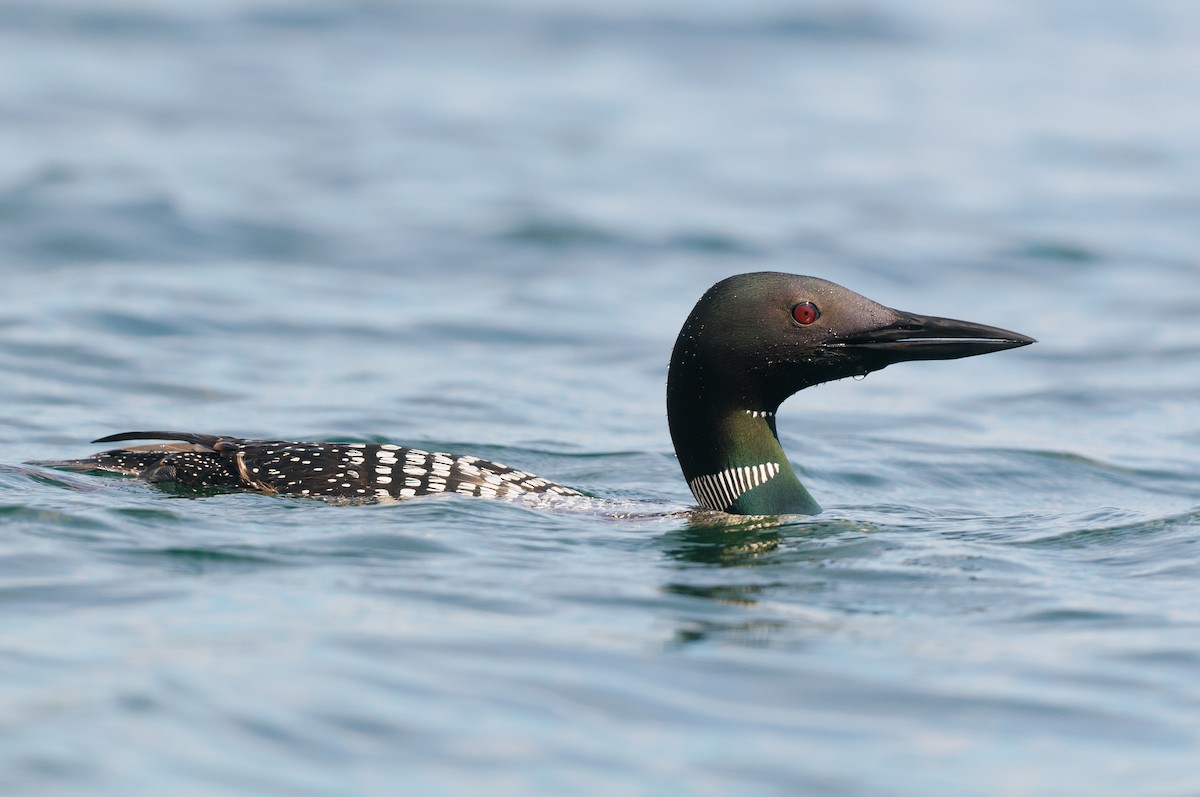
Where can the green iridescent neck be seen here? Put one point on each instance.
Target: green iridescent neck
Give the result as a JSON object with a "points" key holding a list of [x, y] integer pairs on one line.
{"points": [[732, 459]]}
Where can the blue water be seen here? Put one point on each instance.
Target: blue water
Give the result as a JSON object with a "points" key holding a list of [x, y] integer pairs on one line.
{"points": [[477, 226]]}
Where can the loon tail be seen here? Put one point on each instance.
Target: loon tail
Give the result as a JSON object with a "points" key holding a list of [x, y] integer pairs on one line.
{"points": [[138, 460], [209, 441]]}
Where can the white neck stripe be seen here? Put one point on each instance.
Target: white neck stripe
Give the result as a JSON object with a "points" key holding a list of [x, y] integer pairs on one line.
{"points": [[719, 491]]}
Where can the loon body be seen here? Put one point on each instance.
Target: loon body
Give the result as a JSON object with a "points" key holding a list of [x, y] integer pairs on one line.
{"points": [[346, 471], [751, 341]]}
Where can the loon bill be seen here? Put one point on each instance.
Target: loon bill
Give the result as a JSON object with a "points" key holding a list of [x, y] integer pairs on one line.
{"points": [[750, 342]]}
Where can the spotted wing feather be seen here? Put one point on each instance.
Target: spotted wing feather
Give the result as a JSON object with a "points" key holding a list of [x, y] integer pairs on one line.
{"points": [[333, 471], [362, 471]]}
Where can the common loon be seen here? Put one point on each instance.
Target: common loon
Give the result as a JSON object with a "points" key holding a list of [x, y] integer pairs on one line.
{"points": [[751, 341]]}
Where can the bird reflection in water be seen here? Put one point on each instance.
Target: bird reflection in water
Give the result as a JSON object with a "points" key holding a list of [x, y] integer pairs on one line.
{"points": [[765, 548]]}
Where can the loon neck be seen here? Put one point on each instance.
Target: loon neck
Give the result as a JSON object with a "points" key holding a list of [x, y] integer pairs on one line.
{"points": [[732, 460]]}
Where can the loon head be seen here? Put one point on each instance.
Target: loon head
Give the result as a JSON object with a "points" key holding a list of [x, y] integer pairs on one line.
{"points": [[753, 340], [764, 336]]}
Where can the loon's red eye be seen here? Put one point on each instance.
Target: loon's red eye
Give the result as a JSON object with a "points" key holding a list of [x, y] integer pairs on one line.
{"points": [[805, 313]]}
